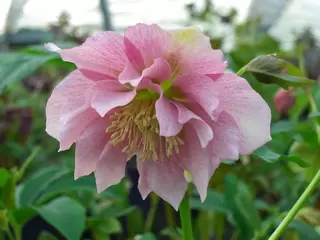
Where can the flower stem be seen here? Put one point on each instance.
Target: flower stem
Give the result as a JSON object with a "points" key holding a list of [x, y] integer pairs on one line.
{"points": [[152, 212], [185, 217], [241, 71], [294, 210]]}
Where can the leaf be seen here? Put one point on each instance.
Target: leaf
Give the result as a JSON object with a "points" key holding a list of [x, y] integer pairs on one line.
{"points": [[282, 126], [16, 66], [310, 155], [305, 230], [4, 223], [240, 202], [214, 202], [67, 183], [103, 227], [4, 177], [46, 236], [269, 69], [23, 215], [171, 232], [266, 154], [32, 188], [66, 215], [117, 211], [145, 236]]}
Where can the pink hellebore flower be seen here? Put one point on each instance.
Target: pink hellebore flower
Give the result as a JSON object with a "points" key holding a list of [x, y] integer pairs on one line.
{"points": [[162, 96]]}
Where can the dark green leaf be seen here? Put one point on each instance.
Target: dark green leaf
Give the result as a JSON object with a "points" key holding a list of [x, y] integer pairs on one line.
{"points": [[214, 202], [66, 215], [270, 69], [4, 177], [117, 211], [305, 230], [146, 236], [22, 215], [268, 155], [240, 203], [282, 127], [67, 183], [102, 227], [31, 190], [16, 66], [46, 236]]}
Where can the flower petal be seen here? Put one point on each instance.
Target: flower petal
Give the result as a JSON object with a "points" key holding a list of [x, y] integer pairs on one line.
{"points": [[248, 109], [197, 160], [89, 147], [165, 178], [150, 40], [109, 95], [167, 116], [159, 71], [201, 89], [130, 75], [196, 54], [203, 130], [71, 93], [110, 168], [103, 53]]}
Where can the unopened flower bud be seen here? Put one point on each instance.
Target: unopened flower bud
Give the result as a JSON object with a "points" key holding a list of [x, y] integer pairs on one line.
{"points": [[284, 100]]}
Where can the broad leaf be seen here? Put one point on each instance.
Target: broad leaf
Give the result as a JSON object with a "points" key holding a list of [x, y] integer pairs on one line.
{"points": [[66, 215], [17, 66], [4, 177], [270, 69]]}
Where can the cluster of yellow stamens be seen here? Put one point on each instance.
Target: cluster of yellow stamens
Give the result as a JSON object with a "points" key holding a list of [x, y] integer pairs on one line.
{"points": [[136, 127]]}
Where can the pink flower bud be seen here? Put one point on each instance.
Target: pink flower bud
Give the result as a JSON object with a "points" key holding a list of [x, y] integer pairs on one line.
{"points": [[284, 100]]}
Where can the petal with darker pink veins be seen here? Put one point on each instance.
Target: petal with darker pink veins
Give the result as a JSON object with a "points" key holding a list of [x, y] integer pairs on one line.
{"points": [[109, 95], [71, 93], [165, 178], [110, 168], [248, 109], [103, 53], [200, 89], [89, 147], [150, 40]]}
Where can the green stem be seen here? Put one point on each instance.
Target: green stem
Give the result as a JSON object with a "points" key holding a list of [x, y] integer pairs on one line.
{"points": [[314, 108], [152, 212], [241, 71], [297, 206], [185, 217], [10, 235]]}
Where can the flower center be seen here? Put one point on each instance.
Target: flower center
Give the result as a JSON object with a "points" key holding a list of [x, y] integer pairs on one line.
{"points": [[136, 126]]}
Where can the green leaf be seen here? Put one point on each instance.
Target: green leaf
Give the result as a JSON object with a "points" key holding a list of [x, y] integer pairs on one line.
{"points": [[117, 211], [103, 227], [4, 223], [309, 154], [269, 69], [66, 215], [32, 188], [67, 183], [23, 215], [214, 202], [4, 177], [146, 236], [241, 204], [282, 126], [46, 236], [16, 66], [305, 230], [266, 154]]}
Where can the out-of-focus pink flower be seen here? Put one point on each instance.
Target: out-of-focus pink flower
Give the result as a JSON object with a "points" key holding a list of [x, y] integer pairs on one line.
{"points": [[162, 96], [284, 100]]}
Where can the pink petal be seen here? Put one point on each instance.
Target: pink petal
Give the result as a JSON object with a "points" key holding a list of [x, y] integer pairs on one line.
{"points": [[203, 130], [196, 54], [150, 40], [110, 168], [248, 109], [167, 116], [73, 89], [201, 89], [89, 147], [110, 94], [134, 55], [198, 161], [165, 178], [130, 75], [103, 53], [159, 71]]}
